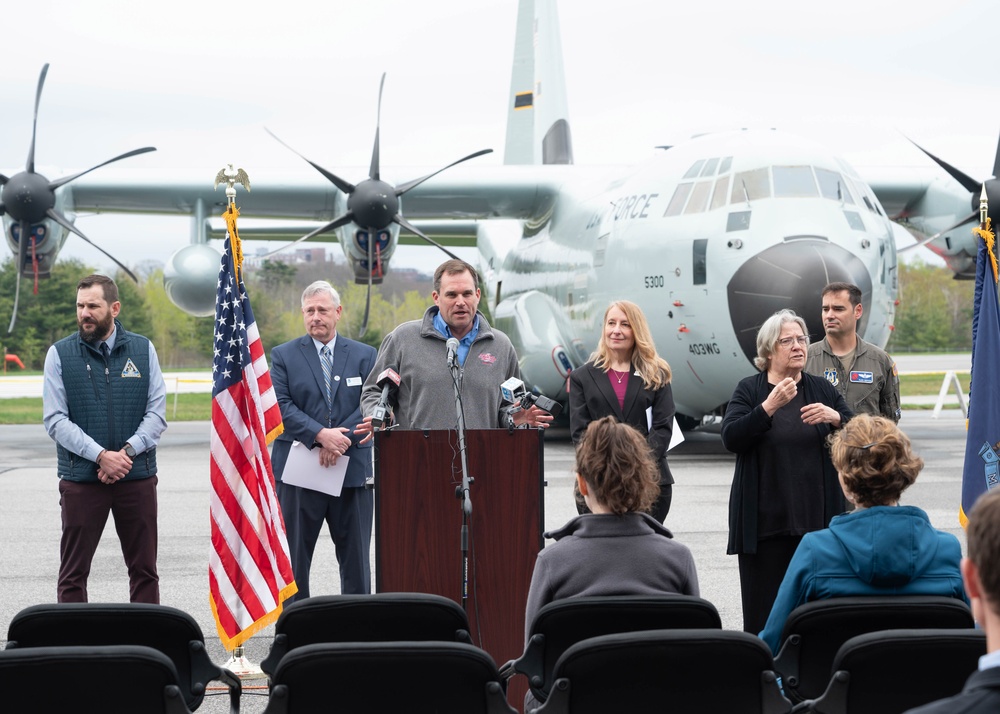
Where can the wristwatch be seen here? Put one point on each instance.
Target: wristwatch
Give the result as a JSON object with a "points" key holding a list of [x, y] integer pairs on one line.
{"points": [[129, 451]]}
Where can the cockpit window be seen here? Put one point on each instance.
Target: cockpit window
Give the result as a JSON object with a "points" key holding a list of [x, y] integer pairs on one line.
{"points": [[833, 186], [709, 168], [726, 164], [750, 186], [699, 197], [678, 200], [721, 191], [695, 169], [794, 181]]}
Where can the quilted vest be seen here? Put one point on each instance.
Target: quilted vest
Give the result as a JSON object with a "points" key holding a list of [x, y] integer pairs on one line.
{"points": [[108, 403]]}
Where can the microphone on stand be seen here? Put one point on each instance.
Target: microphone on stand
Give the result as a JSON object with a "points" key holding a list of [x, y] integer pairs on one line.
{"points": [[388, 379], [452, 352]]}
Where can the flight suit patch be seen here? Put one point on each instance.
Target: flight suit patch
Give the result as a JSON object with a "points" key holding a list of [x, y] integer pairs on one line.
{"points": [[862, 377], [830, 375]]}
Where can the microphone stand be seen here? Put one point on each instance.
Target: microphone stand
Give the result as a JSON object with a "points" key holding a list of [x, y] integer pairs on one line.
{"points": [[462, 492]]}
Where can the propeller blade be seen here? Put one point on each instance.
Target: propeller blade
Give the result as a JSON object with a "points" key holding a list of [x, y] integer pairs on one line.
{"points": [[30, 164], [373, 173], [996, 162], [53, 185], [342, 221], [413, 229], [404, 187], [970, 184], [65, 223], [340, 183], [974, 216], [372, 234], [25, 227]]}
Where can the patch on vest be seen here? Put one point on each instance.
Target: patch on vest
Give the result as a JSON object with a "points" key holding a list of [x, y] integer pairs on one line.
{"points": [[130, 370], [830, 375], [487, 358], [862, 377]]}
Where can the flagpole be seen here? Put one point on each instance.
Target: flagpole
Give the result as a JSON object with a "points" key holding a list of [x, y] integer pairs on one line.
{"points": [[238, 663]]}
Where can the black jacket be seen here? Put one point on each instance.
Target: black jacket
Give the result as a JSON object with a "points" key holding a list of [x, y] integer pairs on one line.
{"points": [[744, 422], [981, 695], [591, 397]]}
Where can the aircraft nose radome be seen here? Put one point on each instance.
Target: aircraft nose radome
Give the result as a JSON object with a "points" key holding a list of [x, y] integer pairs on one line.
{"points": [[790, 275]]}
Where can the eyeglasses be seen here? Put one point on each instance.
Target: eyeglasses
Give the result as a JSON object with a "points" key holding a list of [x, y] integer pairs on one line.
{"points": [[788, 341]]}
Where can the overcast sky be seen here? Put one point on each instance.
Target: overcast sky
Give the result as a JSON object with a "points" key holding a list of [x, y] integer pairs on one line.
{"points": [[201, 80]]}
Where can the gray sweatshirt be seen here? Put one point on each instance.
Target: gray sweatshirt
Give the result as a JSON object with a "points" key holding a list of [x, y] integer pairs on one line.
{"points": [[425, 398]]}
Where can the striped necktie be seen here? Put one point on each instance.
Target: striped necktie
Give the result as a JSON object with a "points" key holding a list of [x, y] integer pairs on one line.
{"points": [[326, 359]]}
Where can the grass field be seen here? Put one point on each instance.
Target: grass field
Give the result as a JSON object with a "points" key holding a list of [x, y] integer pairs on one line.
{"points": [[198, 407]]}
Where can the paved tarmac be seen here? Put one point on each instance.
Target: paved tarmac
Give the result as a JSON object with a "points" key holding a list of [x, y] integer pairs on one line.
{"points": [[29, 520]]}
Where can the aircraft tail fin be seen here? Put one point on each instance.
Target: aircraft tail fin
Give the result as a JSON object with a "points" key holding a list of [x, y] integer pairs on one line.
{"points": [[538, 115]]}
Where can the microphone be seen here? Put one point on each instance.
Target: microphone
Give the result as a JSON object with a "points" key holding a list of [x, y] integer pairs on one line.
{"points": [[388, 379], [452, 351], [511, 390]]}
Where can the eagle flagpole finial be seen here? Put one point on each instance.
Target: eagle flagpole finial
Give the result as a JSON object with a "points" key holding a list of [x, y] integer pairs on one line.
{"points": [[231, 177]]}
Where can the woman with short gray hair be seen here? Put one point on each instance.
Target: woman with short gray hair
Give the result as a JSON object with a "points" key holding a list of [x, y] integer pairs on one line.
{"points": [[785, 485]]}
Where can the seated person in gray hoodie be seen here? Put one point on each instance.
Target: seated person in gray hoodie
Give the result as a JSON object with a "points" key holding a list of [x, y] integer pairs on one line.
{"points": [[879, 548], [618, 548]]}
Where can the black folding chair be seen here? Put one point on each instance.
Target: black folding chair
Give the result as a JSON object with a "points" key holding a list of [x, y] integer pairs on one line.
{"points": [[677, 671], [114, 679], [171, 631], [814, 632], [561, 624], [893, 671], [365, 677], [381, 617]]}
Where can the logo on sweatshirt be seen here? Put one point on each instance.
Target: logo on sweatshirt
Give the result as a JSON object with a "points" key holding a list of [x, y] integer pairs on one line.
{"points": [[487, 358]]}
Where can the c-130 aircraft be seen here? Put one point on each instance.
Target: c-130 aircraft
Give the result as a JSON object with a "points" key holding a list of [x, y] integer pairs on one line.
{"points": [[709, 237]]}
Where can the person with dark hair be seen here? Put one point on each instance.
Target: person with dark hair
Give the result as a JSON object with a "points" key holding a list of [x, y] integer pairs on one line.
{"points": [[104, 404], [879, 548], [626, 378], [981, 576], [864, 374], [418, 352], [618, 548], [784, 485]]}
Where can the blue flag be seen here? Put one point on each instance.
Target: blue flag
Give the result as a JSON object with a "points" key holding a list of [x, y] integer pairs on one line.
{"points": [[980, 473]]}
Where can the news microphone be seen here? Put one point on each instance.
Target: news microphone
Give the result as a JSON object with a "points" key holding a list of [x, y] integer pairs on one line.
{"points": [[452, 351], [511, 390], [388, 379]]}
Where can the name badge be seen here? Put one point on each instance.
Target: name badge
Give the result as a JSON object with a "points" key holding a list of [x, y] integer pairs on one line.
{"points": [[862, 377], [354, 381]]}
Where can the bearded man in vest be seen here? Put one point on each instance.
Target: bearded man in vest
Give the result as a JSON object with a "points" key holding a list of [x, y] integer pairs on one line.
{"points": [[104, 404]]}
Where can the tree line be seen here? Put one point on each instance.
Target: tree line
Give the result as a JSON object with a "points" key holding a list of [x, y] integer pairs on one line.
{"points": [[184, 341], [934, 311]]}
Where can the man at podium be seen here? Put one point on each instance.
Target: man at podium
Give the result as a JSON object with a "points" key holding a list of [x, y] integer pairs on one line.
{"points": [[412, 377]]}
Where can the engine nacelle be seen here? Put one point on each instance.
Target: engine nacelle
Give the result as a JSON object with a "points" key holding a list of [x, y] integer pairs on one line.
{"points": [[191, 277], [538, 330]]}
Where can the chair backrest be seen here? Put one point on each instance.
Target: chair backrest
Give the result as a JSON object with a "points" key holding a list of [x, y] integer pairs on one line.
{"points": [[561, 624], [364, 677], [380, 617], [894, 671], [171, 631], [667, 670], [117, 679], [815, 631]]}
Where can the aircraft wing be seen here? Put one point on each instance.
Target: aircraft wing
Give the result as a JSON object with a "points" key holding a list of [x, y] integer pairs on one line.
{"points": [[469, 193]]}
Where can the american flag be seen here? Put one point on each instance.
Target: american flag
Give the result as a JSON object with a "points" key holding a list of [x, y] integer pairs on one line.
{"points": [[249, 573]]}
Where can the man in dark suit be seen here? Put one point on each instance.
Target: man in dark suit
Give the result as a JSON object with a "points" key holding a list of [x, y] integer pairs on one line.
{"points": [[981, 575], [317, 379]]}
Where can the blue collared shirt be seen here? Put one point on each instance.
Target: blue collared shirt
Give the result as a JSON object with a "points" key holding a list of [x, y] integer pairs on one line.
{"points": [[463, 344]]}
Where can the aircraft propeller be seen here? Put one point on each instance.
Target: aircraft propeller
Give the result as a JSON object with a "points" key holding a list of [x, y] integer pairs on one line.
{"points": [[969, 184], [372, 204], [29, 198]]}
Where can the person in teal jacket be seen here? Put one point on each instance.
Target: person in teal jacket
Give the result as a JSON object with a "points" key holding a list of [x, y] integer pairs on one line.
{"points": [[879, 548]]}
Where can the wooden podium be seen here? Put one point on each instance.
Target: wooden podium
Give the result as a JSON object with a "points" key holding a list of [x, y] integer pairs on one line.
{"points": [[418, 524]]}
